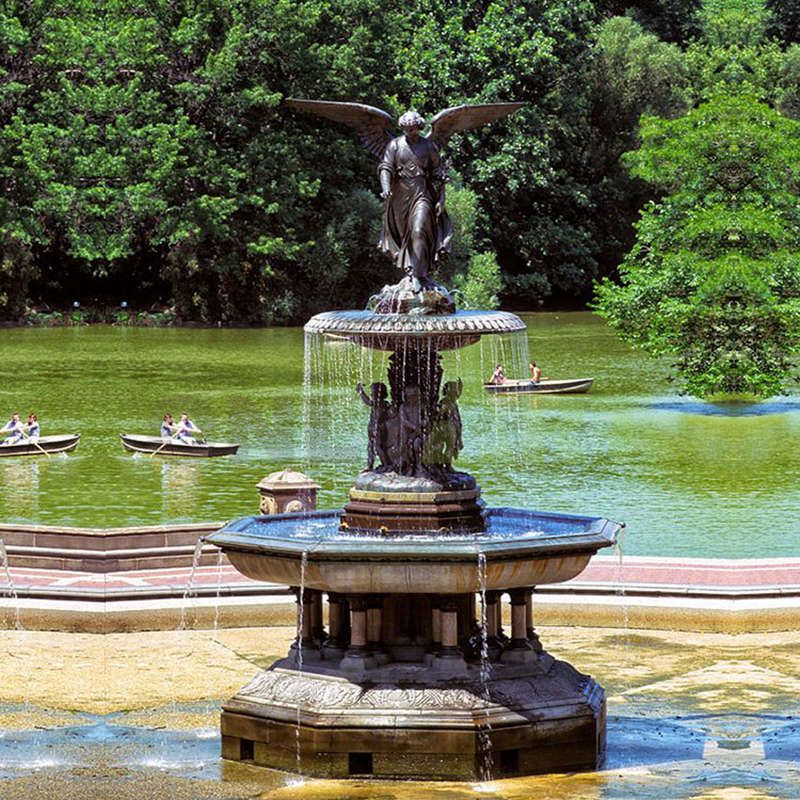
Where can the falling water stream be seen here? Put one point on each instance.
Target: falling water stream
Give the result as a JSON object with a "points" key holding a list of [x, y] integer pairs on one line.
{"points": [[189, 591], [485, 759], [10, 590], [300, 634]]}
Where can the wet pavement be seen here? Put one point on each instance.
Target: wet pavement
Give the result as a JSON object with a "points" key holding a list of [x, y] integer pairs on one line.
{"points": [[659, 757], [691, 716]]}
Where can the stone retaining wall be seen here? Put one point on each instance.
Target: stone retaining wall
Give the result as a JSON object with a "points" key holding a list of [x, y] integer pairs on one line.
{"points": [[108, 549]]}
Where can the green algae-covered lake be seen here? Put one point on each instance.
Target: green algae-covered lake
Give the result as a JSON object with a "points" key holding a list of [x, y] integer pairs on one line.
{"points": [[688, 478]]}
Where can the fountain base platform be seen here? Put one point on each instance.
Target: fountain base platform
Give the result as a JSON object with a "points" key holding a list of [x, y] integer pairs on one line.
{"points": [[418, 721]]}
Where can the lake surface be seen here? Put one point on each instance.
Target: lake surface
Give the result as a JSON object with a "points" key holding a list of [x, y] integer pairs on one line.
{"points": [[688, 478]]}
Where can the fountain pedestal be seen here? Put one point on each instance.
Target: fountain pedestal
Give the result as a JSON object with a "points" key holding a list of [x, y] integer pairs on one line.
{"points": [[405, 512], [404, 721]]}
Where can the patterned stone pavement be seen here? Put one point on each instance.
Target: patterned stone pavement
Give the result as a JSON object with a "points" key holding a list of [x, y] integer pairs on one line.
{"points": [[605, 574]]}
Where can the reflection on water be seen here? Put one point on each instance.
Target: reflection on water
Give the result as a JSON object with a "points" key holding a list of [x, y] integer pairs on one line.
{"points": [[688, 406], [180, 494], [19, 478]]}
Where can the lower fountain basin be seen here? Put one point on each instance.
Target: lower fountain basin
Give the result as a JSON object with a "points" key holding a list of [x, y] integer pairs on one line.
{"points": [[521, 549]]}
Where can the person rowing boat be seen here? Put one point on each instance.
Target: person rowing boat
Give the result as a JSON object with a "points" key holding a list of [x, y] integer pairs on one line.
{"points": [[187, 431], [183, 431], [14, 430], [168, 427]]}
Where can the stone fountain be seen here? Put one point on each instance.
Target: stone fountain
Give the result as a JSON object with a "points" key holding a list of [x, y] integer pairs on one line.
{"points": [[410, 674], [413, 675]]}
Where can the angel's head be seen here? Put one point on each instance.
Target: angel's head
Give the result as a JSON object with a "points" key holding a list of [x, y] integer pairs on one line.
{"points": [[412, 121]]}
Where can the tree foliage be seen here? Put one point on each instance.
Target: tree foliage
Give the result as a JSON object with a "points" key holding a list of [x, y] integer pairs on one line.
{"points": [[144, 143], [713, 278], [145, 152]]}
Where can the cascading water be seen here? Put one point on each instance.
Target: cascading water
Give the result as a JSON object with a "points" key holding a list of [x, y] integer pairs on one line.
{"points": [[334, 419], [485, 758], [189, 591], [10, 590], [300, 634]]}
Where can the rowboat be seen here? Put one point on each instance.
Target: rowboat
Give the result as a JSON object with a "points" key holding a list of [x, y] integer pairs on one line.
{"points": [[44, 444], [572, 386], [173, 447]]}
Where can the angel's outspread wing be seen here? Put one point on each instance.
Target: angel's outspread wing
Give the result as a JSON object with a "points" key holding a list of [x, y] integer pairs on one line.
{"points": [[462, 118], [371, 124]]}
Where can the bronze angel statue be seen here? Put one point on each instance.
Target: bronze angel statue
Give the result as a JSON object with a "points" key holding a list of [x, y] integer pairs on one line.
{"points": [[416, 229]]}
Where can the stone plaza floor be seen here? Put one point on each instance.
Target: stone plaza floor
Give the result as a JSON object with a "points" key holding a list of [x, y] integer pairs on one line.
{"points": [[691, 715]]}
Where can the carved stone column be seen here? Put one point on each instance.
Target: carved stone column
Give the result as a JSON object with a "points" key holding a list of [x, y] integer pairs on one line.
{"points": [[357, 659], [519, 649], [436, 631], [533, 637], [374, 629], [304, 642], [334, 646], [317, 627], [449, 659], [492, 608], [501, 637]]}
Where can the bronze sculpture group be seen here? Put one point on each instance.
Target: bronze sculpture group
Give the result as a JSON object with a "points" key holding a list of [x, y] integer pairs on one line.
{"points": [[404, 439]]}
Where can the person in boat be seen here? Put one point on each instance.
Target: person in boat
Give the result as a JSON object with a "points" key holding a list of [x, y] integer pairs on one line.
{"points": [[168, 427], [32, 428], [14, 430], [187, 430], [536, 372], [498, 376]]}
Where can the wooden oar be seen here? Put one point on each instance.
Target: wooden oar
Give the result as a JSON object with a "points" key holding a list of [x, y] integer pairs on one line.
{"points": [[166, 442], [36, 444]]}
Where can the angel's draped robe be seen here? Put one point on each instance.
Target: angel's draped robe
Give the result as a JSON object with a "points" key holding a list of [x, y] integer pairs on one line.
{"points": [[413, 233]]}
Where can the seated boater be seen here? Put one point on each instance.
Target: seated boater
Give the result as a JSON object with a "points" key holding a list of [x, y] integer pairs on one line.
{"points": [[168, 427], [32, 428], [14, 429], [187, 430]]}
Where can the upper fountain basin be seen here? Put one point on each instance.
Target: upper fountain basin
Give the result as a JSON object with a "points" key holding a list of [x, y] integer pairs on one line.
{"points": [[393, 331], [521, 548]]}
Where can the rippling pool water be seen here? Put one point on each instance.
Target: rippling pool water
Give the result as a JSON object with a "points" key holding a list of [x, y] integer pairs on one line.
{"points": [[688, 478]]}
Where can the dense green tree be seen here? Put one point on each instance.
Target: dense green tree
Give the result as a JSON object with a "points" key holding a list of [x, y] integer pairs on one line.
{"points": [[529, 171], [634, 73], [670, 20], [713, 277]]}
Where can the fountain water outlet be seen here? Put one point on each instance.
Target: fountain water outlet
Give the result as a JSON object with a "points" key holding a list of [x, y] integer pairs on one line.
{"points": [[411, 679]]}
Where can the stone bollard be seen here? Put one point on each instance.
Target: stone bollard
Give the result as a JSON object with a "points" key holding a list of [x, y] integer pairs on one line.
{"points": [[286, 492]]}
